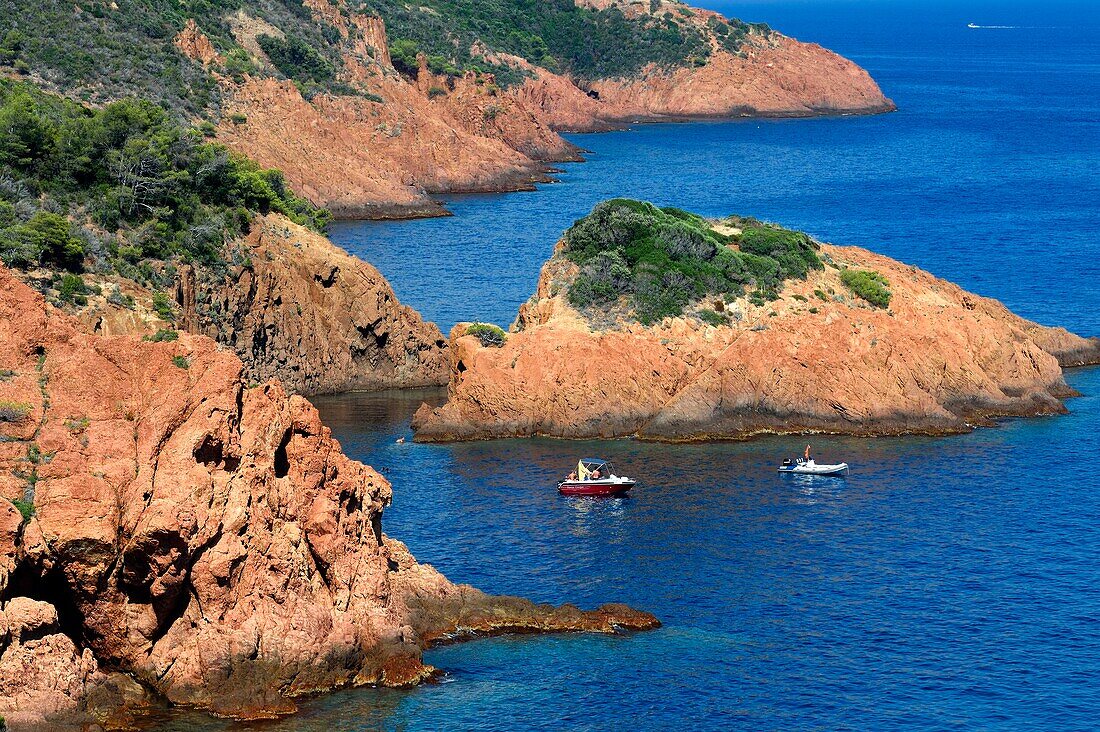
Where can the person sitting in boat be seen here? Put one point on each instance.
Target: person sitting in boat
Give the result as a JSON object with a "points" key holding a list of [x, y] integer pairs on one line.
{"points": [[573, 475], [595, 475]]}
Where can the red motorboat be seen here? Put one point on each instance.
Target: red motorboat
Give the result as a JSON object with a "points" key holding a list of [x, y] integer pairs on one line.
{"points": [[595, 477]]}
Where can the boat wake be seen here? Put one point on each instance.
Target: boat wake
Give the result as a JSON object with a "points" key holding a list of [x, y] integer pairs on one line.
{"points": [[992, 27]]}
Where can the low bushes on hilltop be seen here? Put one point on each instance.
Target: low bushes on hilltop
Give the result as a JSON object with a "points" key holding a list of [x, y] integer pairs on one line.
{"points": [[868, 285], [559, 35], [665, 258], [119, 187], [488, 334]]}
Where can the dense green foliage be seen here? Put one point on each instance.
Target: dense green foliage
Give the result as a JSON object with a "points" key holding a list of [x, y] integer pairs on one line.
{"points": [[101, 51], [25, 508], [138, 186], [555, 34], [297, 59], [664, 259], [868, 285], [488, 334]]}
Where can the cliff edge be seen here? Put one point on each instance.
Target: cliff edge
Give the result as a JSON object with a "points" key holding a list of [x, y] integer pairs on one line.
{"points": [[482, 118], [809, 338], [169, 533]]}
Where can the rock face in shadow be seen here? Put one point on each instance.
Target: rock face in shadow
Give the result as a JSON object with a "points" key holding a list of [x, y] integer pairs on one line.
{"points": [[190, 538], [294, 307], [381, 153], [311, 315], [939, 360]]}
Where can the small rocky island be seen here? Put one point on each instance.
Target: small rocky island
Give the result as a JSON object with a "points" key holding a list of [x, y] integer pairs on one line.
{"points": [[660, 324]]}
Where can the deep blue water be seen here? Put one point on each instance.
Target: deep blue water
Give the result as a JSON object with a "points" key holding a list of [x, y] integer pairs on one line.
{"points": [[988, 174], [947, 584]]}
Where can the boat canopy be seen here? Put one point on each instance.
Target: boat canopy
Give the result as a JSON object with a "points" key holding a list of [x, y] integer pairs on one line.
{"points": [[587, 466]]}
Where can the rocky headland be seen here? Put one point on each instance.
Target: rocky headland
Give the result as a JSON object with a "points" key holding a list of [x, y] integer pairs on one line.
{"points": [[172, 534], [394, 137], [771, 333]]}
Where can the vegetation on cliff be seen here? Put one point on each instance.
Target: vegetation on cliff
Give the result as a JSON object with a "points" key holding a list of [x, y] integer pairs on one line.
{"points": [[122, 189], [665, 258], [555, 34], [101, 51], [868, 285]]}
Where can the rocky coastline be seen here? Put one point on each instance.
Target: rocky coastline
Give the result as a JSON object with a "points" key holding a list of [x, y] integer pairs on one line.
{"points": [[172, 534], [384, 152], [815, 359]]}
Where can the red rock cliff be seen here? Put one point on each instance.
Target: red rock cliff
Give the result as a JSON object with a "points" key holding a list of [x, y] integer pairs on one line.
{"points": [[365, 158], [938, 361], [194, 539], [294, 307]]}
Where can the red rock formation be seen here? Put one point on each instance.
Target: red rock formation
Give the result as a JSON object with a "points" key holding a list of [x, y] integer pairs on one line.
{"points": [[366, 159], [938, 361], [205, 537], [370, 159], [311, 315], [294, 307], [195, 45]]}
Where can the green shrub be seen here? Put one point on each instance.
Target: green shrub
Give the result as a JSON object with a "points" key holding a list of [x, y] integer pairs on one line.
{"points": [[25, 508], [117, 297], [12, 412], [297, 59], [711, 317], [403, 53], [237, 63], [181, 362], [72, 289], [436, 91], [665, 258], [164, 307], [238, 119], [46, 238], [488, 334], [162, 336], [820, 294], [868, 285]]}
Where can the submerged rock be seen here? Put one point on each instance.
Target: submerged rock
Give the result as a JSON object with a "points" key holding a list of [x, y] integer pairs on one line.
{"points": [[208, 539], [929, 358]]}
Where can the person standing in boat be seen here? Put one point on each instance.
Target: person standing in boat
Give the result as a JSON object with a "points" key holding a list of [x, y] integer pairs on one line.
{"points": [[807, 453]]}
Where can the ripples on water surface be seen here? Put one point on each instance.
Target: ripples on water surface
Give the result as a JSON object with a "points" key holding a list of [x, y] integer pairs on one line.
{"points": [[948, 583]]}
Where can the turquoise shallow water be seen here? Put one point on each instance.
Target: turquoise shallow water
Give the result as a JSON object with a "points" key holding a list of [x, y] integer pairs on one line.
{"points": [[947, 584]]}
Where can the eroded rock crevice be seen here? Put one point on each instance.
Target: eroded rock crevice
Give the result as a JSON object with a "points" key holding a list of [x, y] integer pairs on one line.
{"points": [[203, 538]]}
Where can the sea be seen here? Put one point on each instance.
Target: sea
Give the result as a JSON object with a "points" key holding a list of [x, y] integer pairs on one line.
{"points": [[947, 584]]}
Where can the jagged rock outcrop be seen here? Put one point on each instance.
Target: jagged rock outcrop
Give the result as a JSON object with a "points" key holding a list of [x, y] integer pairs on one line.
{"points": [[294, 307], [195, 45], [365, 158], [191, 538], [938, 361], [309, 314]]}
